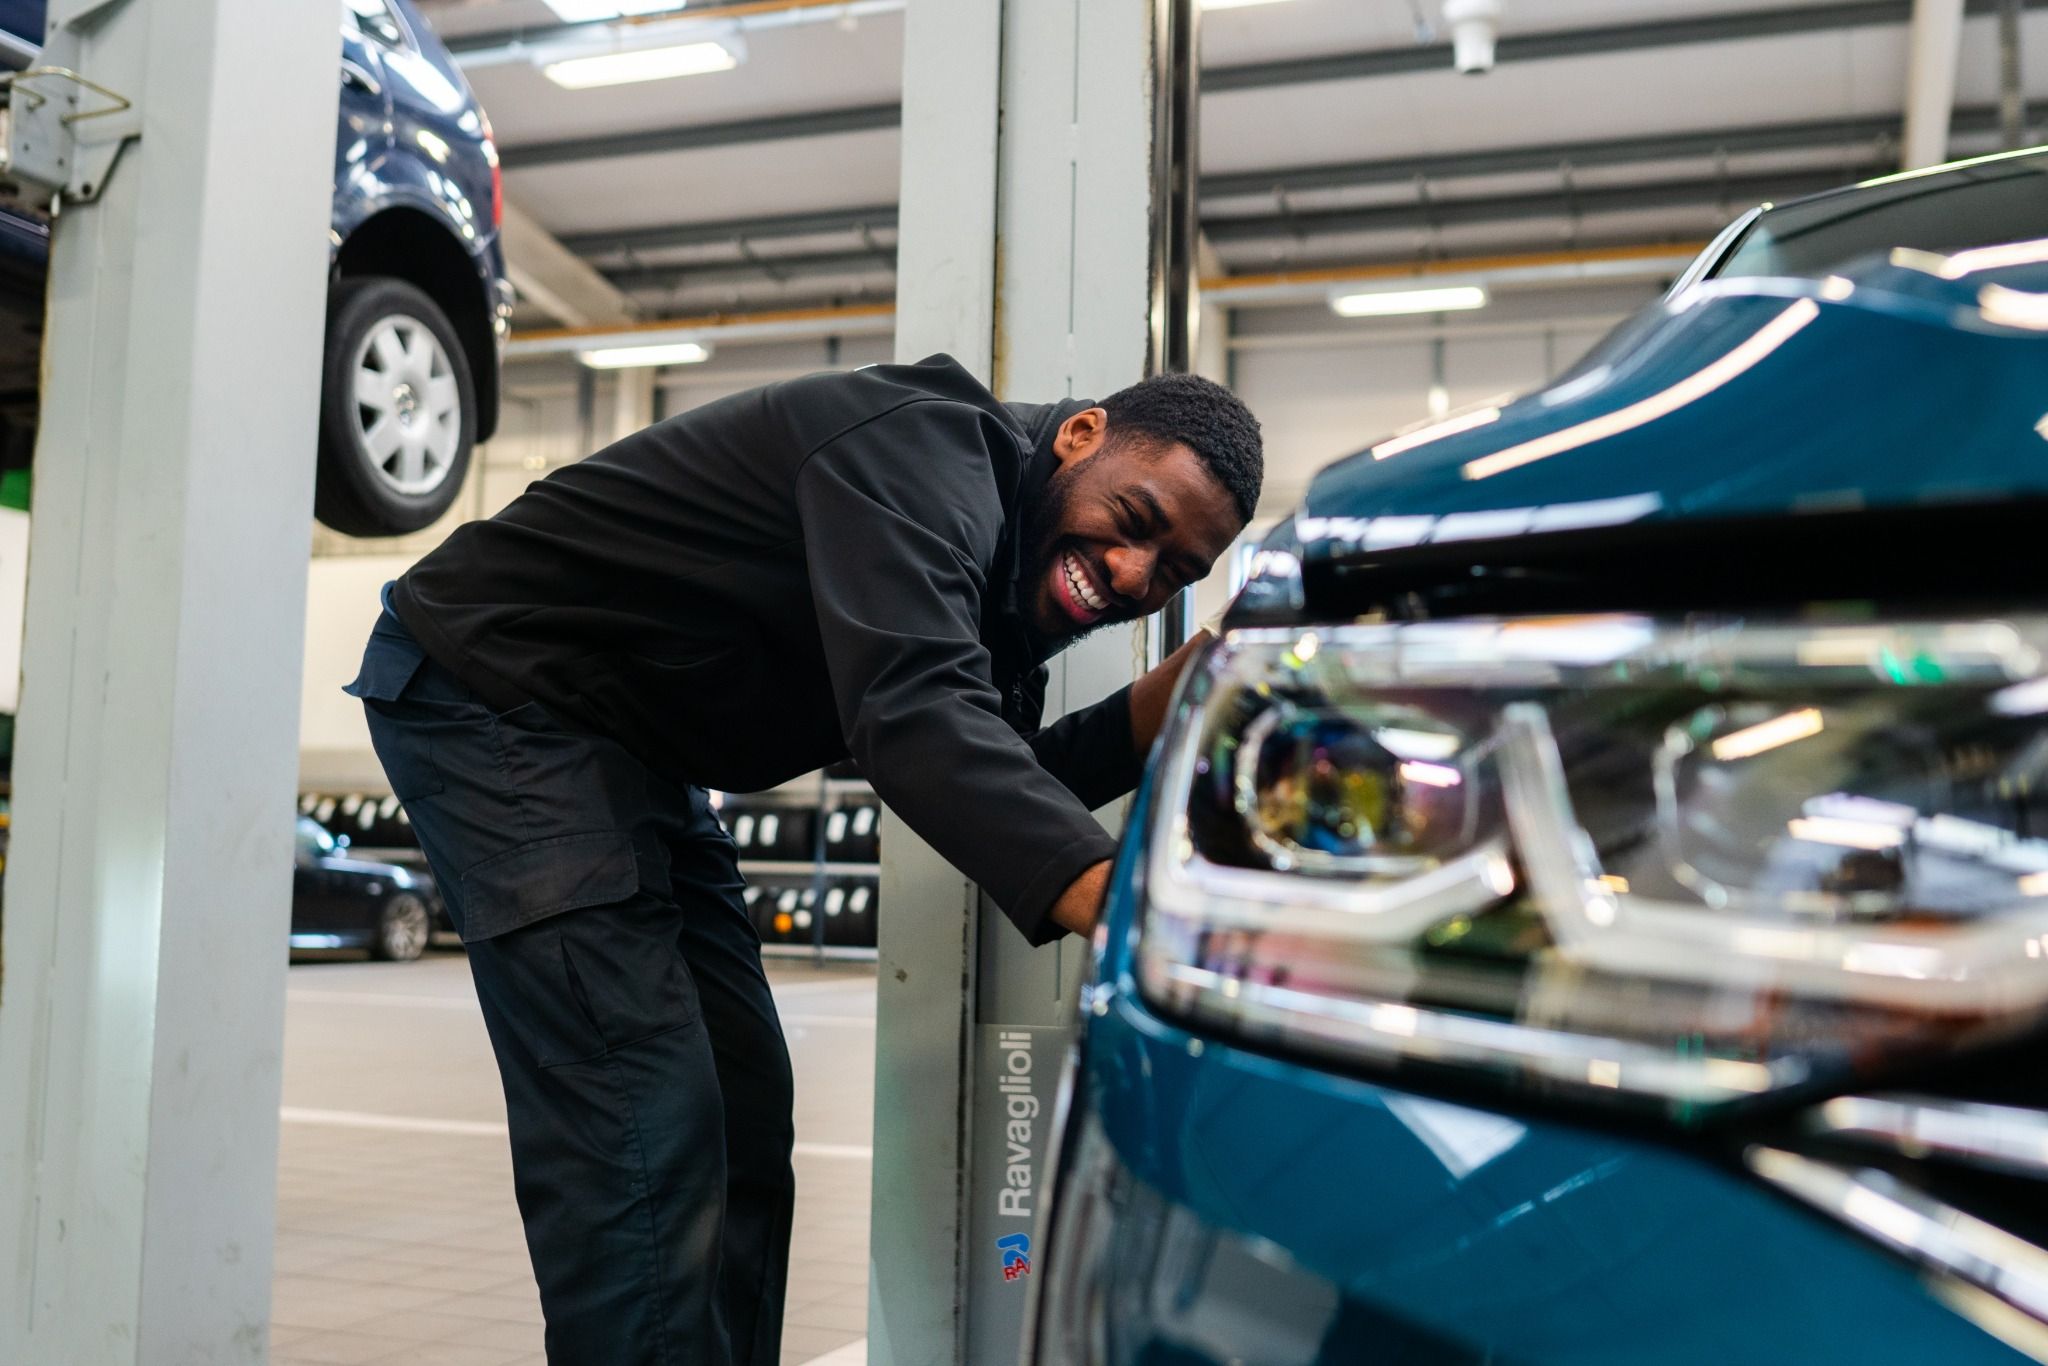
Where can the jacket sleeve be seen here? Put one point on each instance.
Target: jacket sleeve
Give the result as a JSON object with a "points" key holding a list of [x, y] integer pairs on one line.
{"points": [[1092, 750], [898, 514]]}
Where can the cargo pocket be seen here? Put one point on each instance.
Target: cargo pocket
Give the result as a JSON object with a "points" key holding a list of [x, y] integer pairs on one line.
{"points": [[545, 878], [390, 663], [589, 983]]}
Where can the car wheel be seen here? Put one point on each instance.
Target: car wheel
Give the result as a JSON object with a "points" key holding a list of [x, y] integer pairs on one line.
{"points": [[402, 929], [398, 411]]}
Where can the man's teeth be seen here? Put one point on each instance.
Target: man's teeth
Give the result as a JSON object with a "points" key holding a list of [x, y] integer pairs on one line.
{"points": [[1078, 582]]}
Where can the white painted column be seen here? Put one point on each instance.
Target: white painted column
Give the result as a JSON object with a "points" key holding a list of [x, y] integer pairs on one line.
{"points": [[1025, 252], [1937, 37], [149, 884], [945, 301], [632, 401]]}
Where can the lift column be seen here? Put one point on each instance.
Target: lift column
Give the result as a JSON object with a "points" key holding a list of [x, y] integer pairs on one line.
{"points": [[1038, 246], [148, 889]]}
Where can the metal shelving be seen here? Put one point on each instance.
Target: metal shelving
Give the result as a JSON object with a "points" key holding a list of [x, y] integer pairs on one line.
{"points": [[792, 897]]}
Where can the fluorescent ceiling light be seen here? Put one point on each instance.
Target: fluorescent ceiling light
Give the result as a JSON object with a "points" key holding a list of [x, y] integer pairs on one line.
{"points": [[1769, 735], [647, 64], [636, 357], [1235, 4], [579, 11], [1389, 302]]}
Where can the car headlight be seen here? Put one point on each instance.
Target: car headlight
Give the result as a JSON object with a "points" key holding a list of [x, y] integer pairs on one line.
{"points": [[1682, 865]]}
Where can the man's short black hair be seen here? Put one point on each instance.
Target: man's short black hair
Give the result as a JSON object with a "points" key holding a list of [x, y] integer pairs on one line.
{"points": [[1203, 416]]}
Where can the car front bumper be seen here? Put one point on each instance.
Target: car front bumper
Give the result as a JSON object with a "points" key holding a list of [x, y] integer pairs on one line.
{"points": [[1215, 1205]]}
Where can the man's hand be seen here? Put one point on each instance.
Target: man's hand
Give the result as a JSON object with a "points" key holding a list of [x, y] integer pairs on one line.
{"points": [[1150, 694], [1080, 906]]}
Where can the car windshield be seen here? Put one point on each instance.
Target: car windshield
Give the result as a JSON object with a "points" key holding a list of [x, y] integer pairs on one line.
{"points": [[313, 841], [1981, 203]]}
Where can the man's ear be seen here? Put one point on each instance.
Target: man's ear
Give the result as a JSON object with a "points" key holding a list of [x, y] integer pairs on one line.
{"points": [[1081, 435]]}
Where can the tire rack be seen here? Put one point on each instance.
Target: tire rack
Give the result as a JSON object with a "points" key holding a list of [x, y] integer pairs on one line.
{"points": [[810, 852], [805, 845]]}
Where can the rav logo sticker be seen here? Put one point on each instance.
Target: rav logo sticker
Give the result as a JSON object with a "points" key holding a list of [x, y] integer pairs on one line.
{"points": [[1016, 1250]]}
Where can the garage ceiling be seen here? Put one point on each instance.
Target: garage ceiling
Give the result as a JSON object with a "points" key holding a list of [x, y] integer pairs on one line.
{"points": [[1334, 132]]}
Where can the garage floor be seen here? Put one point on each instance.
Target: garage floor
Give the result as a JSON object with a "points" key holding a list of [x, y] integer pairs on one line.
{"points": [[397, 1237]]}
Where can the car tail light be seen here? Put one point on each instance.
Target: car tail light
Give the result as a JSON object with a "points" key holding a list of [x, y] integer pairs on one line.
{"points": [[1675, 866]]}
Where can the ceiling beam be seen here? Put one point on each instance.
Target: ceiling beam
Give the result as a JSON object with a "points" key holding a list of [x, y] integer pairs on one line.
{"points": [[758, 268], [1876, 131], [1392, 61], [691, 137], [468, 48], [1881, 131], [872, 218], [555, 278], [1736, 191], [842, 320], [1518, 48], [1733, 194]]}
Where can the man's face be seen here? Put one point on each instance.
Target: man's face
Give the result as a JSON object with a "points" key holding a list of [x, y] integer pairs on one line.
{"points": [[1119, 529]]}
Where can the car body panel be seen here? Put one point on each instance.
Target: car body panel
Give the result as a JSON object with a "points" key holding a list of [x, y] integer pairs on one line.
{"points": [[1215, 1204], [1220, 1202], [1827, 397], [409, 137], [428, 154]]}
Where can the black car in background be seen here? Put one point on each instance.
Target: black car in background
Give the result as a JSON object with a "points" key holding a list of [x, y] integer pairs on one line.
{"points": [[340, 902], [418, 300]]}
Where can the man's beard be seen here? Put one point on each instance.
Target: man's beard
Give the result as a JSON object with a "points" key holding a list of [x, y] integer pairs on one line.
{"points": [[1041, 539]]}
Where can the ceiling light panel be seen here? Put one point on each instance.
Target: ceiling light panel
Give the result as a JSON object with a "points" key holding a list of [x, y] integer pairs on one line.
{"points": [[1389, 303], [581, 11], [641, 357], [646, 64]]}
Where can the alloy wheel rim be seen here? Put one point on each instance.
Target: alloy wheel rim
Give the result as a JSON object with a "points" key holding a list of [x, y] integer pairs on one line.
{"points": [[408, 407], [405, 927]]}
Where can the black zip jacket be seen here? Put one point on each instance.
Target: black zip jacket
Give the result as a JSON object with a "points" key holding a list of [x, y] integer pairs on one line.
{"points": [[768, 583]]}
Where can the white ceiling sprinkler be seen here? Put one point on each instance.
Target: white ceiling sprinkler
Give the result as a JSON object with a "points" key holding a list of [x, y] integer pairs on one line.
{"points": [[1474, 25]]}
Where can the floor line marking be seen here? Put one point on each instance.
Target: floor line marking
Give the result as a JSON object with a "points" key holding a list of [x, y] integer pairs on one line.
{"points": [[371, 998], [415, 1124], [319, 996], [409, 1124]]}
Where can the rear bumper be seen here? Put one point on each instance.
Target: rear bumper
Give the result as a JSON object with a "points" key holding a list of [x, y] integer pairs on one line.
{"points": [[1214, 1205]]}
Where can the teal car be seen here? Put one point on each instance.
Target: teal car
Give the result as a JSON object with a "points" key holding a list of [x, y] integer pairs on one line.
{"points": [[1591, 908]]}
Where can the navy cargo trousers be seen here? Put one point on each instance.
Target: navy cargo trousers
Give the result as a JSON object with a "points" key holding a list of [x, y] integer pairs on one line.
{"points": [[647, 1084]]}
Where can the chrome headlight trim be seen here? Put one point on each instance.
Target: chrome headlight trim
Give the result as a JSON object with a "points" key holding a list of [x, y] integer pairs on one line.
{"points": [[1544, 856]]}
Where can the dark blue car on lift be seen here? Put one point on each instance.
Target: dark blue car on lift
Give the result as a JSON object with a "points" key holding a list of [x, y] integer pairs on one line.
{"points": [[419, 303], [1592, 907]]}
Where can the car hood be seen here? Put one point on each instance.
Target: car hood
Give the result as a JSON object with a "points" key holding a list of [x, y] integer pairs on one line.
{"points": [[1908, 381]]}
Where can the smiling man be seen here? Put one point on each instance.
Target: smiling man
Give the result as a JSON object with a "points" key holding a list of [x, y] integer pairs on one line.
{"points": [[875, 563]]}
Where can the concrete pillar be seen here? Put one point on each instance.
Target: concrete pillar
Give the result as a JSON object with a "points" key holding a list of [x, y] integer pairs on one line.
{"points": [[149, 882]]}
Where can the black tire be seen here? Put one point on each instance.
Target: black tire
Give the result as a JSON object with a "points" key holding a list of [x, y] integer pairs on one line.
{"points": [[404, 929], [360, 492]]}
